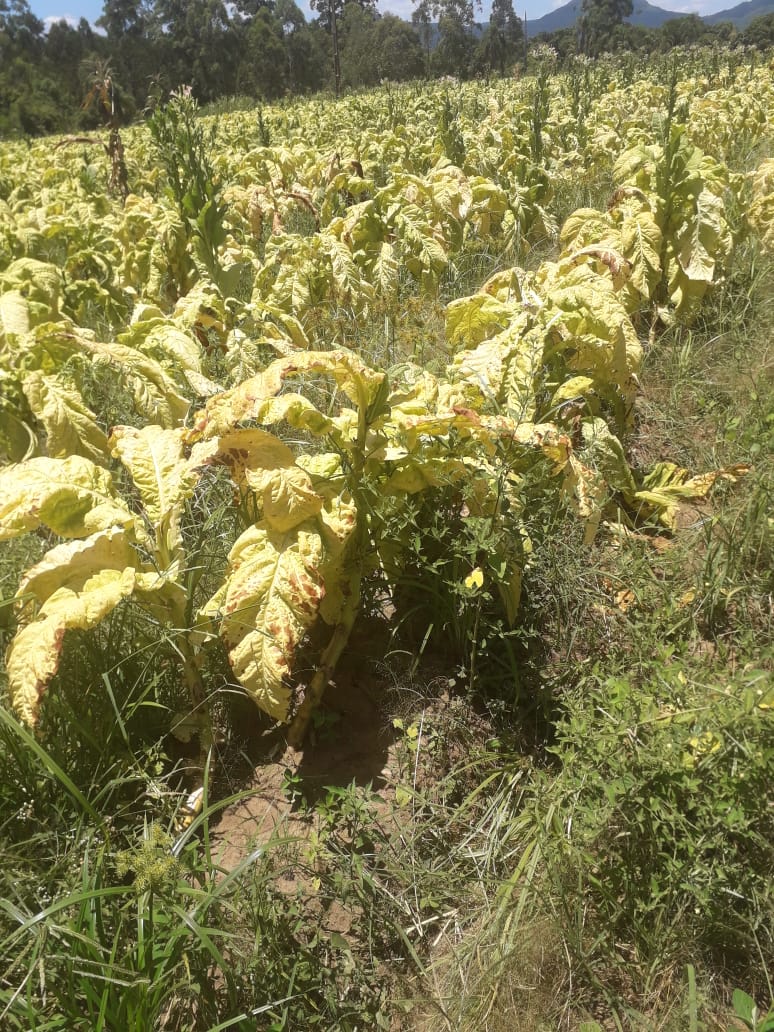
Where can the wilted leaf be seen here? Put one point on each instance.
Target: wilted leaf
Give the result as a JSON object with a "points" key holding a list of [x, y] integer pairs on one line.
{"points": [[76, 584], [14, 316], [261, 462], [272, 595], [154, 458], [72, 497], [469, 320], [71, 427]]}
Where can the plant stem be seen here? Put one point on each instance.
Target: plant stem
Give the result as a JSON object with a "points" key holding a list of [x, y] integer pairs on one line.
{"points": [[328, 660], [198, 697]]}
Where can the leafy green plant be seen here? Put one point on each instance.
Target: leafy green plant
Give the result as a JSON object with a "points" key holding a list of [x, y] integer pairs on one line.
{"points": [[746, 1009], [185, 149], [663, 823]]}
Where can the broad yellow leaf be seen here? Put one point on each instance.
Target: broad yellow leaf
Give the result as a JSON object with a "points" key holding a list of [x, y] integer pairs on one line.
{"points": [[577, 387], [337, 522], [14, 316], [266, 465], [469, 320], [253, 400], [641, 244], [72, 497], [76, 585], [39, 282], [272, 595], [154, 458], [71, 428], [667, 484]]}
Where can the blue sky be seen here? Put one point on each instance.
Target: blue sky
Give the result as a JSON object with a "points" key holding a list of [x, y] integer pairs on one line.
{"points": [[72, 10]]}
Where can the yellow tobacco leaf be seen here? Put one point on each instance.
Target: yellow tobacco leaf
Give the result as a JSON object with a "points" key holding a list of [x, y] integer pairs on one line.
{"points": [[338, 522], [261, 462], [73, 497], [89, 591], [667, 484], [575, 387], [69, 565], [14, 316], [249, 402], [71, 428], [469, 320], [154, 457], [288, 496], [272, 595], [241, 450]]}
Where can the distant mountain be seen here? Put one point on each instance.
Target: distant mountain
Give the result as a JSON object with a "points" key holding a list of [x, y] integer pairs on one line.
{"points": [[742, 14], [650, 16]]}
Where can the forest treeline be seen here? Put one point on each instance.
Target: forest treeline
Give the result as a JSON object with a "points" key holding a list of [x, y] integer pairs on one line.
{"points": [[265, 49]]}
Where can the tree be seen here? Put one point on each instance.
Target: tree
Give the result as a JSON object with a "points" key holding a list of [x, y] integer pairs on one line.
{"points": [[329, 13], [20, 30], [683, 31], [356, 30], [423, 27], [760, 32], [30, 101], [453, 55], [598, 22], [121, 18], [374, 48], [397, 50], [134, 55], [503, 40], [198, 45], [305, 55], [263, 69]]}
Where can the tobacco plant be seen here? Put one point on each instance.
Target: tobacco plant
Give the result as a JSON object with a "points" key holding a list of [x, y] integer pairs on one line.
{"points": [[539, 388]]}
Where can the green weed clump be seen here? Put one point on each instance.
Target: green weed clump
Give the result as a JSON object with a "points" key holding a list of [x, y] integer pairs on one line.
{"points": [[660, 847]]}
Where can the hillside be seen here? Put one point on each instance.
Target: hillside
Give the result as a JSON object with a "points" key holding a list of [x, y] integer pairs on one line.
{"points": [[651, 16], [742, 14]]}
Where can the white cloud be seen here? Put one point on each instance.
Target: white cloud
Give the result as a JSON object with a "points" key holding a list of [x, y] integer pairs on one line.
{"points": [[403, 8], [52, 19]]}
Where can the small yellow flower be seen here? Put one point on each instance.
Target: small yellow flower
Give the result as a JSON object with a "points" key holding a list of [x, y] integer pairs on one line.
{"points": [[475, 579], [701, 746]]}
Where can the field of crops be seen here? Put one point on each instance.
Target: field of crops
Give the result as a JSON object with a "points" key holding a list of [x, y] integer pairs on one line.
{"points": [[463, 387]]}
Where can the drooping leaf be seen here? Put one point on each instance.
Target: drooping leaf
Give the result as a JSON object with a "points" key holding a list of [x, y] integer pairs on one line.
{"points": [[385, 270], [271, 596], [469, 320], [338, 523], [161, 473], [703, 239], [667, 484], [75, 585], [605, 453], [255, 399], [71, 428], [73, 497], [641, 243], [261, 462], [39, 282], [14, 316]]}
